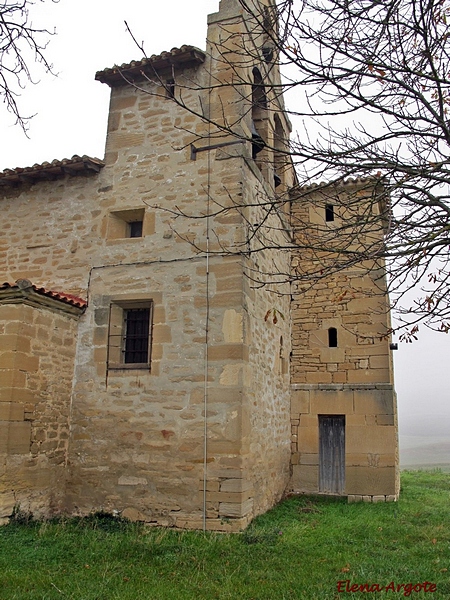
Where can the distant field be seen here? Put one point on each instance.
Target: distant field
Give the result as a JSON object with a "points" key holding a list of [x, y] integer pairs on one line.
{"points": [[418, 452]]}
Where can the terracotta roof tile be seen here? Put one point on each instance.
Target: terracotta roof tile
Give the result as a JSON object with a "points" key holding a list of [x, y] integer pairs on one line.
{"points": [[157, 64], [349, 182], [25, 284], [51, 170]]}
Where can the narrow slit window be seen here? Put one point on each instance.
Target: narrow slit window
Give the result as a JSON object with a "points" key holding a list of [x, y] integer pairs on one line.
{"points": [[332, 337], [329, 212], [170, 88]]}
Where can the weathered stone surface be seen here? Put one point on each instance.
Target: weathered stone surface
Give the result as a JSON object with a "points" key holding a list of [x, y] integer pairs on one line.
{"points": [[82, 430], [135, 515]]}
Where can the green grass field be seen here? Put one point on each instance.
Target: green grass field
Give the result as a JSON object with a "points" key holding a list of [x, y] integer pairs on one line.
{"points": [[301, 549]]}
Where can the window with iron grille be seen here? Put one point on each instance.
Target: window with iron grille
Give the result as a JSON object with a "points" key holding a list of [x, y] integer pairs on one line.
{"points": [[136, 338], [130, 333]]}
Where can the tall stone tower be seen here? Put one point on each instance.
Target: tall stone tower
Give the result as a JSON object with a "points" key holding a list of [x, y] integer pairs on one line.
{"points": [[155, 360], [344, 414]]}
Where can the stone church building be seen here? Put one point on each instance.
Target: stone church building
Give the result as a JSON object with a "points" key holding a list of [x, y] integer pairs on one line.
{"points": [[144, 368]]}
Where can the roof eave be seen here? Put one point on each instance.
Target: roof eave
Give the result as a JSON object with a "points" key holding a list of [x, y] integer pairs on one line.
{"points": [[76, 165], [29, 294], [184, 57]]}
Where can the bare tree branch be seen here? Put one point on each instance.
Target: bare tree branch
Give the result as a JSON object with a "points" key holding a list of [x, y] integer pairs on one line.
{"points": [[22, 45]]}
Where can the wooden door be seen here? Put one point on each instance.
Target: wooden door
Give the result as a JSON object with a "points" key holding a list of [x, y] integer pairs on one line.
{"points": [[332, 454]]}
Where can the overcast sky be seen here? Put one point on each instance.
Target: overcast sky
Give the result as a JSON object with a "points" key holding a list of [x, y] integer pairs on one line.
{"points": [[71, 113]]}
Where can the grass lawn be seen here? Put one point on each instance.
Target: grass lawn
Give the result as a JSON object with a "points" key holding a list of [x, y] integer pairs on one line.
{"points": [[301, 549]]}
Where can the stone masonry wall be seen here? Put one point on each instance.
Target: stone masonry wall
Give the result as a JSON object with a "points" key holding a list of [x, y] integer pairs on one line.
{"points": [[353, 379], [218, 365], [36, 369]]}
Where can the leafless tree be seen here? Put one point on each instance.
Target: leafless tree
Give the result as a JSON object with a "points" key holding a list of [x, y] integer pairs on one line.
{"points": [[367, 88], [374, 77], [22, 45]]}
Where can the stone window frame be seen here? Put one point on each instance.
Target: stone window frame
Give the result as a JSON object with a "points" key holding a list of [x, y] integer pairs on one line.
{"points": [[119, 224], [117, 334]]}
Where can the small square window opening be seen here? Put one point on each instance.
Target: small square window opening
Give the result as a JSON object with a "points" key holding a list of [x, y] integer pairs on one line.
{"points": [[135, 229]]}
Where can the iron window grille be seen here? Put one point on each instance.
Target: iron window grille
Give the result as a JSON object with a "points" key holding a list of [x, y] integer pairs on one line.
{"points": [[130, 335], [136, 335]]}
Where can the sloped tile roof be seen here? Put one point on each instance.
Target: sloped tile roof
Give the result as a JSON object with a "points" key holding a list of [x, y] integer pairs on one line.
{"points": [[186, 56], [338, 183], [51, 170], [24, 285]]}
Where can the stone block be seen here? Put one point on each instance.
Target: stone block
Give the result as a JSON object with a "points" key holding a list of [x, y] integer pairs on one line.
{"points": [[332, 402], [122, 102], [232, 509], [308, 439], [309, 459], [300, 402], [370, 459], [355, 420], [211, 486], [374, 402], [15, 437], [20, 361], [370, 439], [7, 503], [368, 376], [354, 498], [135, 515], [385, 420], [332, 355], [231, 375], [231, 397], [226, 352], [232, 327], [379, 362], [376, 499], [230, 526], [11, 312], [308, 421], [370, 482], [11, 411], [230, 283], [162, 334], [236, 485], [16, 343], [149, 225], [340, 377], [225, 447], [318, 377], [233, 497], [128, 480], [121, 140], [305, 479]]}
